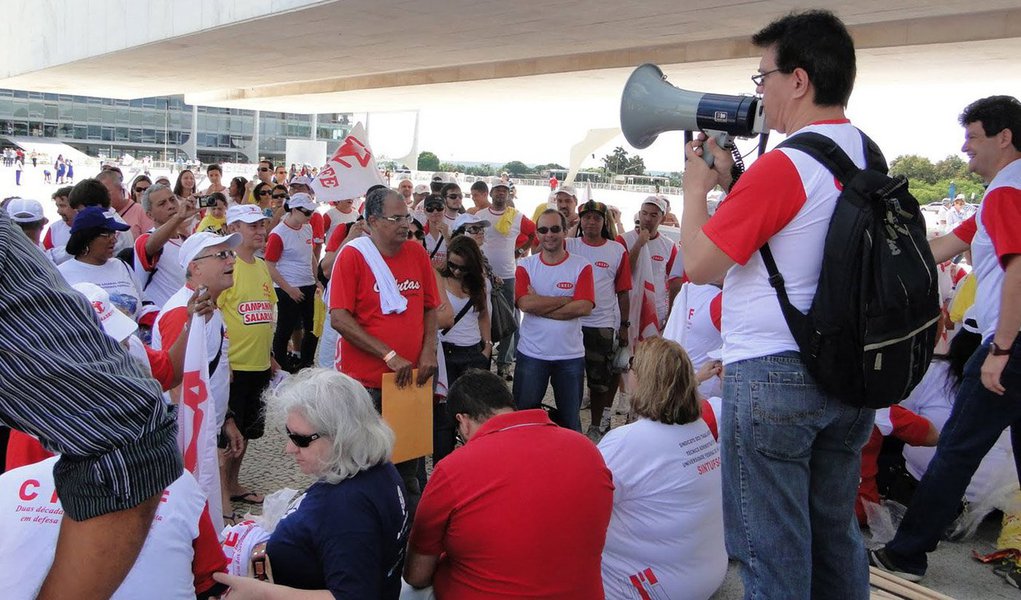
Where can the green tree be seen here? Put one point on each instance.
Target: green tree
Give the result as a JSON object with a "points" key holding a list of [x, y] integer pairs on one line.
{"points": [[915, 168], [547, 167], [516, 167], [427, 161], [619, 162], [451, 168], [951, 167]]}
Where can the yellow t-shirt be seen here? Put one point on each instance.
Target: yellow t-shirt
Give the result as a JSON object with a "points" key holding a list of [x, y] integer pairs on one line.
{"points": [[247, 309], [211, 223]]}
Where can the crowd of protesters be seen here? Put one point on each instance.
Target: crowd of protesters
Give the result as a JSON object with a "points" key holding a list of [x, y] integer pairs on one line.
{"points": [[730, 451]]}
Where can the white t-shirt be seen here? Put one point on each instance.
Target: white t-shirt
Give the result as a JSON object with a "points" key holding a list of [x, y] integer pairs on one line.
{"points": [[436, 247], [995, 235], [666, 266], [113, 276], [551, 339], [695, 323], [933, 400], [169, 275], [466, 331], [667, 521], [168, 326], [30, 516], [499, 247], [291, 250], [785, 198], [55, 242], [334, 217], [611, 273]]}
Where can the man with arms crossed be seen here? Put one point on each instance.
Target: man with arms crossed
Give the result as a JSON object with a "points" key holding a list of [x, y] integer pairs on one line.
{"points": [[791, 454]]}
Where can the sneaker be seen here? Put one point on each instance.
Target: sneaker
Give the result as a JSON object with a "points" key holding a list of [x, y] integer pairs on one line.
{"points": [[881, 560], [604, 423], [1012, 574], [504, 372], [585, 402], [594, 434]]}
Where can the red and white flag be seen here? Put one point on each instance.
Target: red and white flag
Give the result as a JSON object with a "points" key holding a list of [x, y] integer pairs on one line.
{"points": [[196, 420], [350, 171], [644, 321]]}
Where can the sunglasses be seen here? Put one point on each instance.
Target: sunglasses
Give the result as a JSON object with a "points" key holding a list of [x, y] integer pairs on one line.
{"points": [[553, 229], [455, 196], [222, 255], [265, 193], [139, 190], [301, 441], [280, 196], [263, 169], [456, 267], [433, 208], [305, 212], [416, 235], [475, 229], [106, 234]]}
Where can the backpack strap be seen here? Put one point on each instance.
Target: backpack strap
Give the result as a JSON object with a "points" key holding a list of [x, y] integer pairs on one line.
{"points": [[796, 320], [826, 152]]}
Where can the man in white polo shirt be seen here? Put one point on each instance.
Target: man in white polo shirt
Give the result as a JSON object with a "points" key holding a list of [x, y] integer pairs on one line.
{"points": [[651, 252], [607, 327], [509, 237], [555, 290]]}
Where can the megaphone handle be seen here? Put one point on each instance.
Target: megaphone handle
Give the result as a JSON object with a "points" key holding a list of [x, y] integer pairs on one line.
{"points": [[723, 140]]}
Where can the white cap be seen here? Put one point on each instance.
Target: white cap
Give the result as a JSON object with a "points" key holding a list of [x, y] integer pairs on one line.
{"points": [[304, 180], [198, 242], [567, 189], [421, 189], [24, 210], [465, 219], [115, 323], [301, 200], [246, 213], [658, 202], [498, 183]]}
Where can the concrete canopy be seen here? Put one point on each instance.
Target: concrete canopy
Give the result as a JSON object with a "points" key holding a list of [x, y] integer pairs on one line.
{"points": [[358, 55]]}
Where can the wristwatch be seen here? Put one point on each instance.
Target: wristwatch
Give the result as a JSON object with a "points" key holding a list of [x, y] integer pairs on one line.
{"points": [[995, 350]]}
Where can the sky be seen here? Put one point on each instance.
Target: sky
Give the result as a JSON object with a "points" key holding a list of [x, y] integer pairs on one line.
{"points": [[909, 111]]}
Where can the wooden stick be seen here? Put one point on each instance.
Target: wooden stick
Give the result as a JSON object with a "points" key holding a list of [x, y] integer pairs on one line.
{"points": [[904, 587]]}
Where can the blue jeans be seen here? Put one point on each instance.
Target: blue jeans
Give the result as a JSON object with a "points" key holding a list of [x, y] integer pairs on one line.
{"points": [[976, 421], [506, 347], [791, 466], [533, 375]]}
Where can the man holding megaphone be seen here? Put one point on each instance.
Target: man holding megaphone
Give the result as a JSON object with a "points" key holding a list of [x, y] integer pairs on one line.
{"points": [[790, 452]]}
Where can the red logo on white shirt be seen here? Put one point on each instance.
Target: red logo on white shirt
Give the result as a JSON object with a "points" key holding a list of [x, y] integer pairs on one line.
{"points": [[565, 285], [602, 264], [658, 257]]}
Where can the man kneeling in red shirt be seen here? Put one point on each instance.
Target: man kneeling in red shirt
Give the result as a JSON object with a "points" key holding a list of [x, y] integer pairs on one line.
{"points": [[520, 511]]}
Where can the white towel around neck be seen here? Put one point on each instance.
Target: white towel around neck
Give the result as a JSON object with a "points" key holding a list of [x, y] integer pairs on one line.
{"points": [[390, 299]]}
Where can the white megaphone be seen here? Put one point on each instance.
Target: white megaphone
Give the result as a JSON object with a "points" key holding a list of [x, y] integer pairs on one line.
{"points": [[649, 106]]}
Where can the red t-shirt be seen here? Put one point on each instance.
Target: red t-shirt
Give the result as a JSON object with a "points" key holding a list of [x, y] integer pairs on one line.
{"points": [[318, 228], [509, 522], [353, 288]]}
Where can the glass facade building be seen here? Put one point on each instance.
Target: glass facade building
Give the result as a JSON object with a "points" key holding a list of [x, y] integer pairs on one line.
{"points": [[162, 127]]}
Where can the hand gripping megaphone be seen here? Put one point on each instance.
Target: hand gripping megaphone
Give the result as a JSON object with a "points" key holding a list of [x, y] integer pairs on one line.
{"points": [[649, 106]]}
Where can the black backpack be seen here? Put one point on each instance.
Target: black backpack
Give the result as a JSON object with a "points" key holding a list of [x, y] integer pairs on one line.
{"points": [[870, 332]]}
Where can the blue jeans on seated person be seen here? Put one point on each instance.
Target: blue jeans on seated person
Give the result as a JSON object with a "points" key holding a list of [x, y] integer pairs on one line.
{"points": [[976, 421], [532, 376], [791, 466]]}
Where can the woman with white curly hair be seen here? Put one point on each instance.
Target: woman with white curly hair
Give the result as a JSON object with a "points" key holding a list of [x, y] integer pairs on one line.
{"points": [[345, 536]]}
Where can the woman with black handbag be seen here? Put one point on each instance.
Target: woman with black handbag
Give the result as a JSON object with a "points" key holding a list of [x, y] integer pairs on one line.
{"points": [[467, 343]]}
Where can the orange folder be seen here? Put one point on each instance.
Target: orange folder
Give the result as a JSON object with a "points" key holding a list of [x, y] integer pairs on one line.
{"points": [[409, 412]]}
